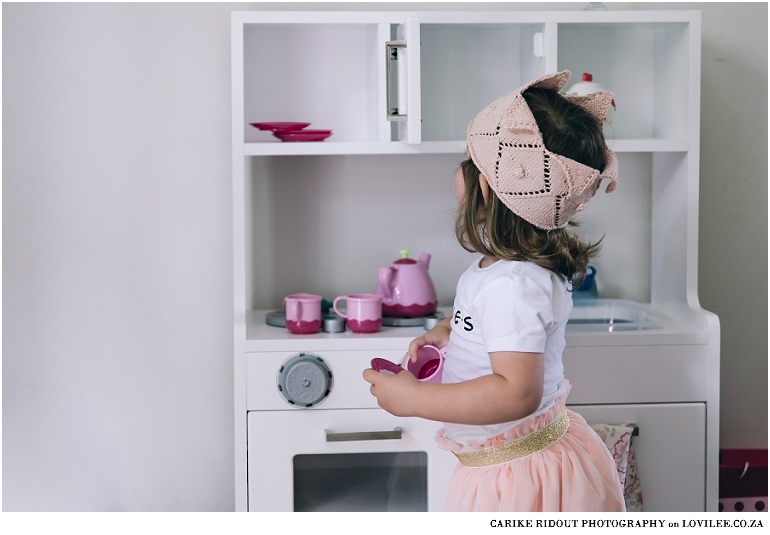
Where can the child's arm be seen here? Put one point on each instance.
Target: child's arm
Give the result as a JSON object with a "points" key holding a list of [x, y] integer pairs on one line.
{"points": [[512, 391]]}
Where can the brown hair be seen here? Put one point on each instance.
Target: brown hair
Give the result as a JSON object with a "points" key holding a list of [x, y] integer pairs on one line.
{"points": [[494, 230]]}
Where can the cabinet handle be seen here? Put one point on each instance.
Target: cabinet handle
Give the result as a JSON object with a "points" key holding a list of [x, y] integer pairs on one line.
{"points": [[392, 113], [364, 435]]}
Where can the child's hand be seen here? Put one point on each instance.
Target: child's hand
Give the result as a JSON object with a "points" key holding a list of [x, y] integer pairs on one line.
{"points": [[438, 336], [395, 393]]}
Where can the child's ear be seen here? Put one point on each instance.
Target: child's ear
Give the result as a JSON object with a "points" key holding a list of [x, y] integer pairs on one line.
{"points": [[484, 185]]}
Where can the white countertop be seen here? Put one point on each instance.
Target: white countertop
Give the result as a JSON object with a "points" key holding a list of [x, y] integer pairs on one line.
{"points": [[678, 327]]}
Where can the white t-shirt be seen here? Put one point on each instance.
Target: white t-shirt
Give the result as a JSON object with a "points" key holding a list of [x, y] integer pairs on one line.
{"points": [[508, 306]]}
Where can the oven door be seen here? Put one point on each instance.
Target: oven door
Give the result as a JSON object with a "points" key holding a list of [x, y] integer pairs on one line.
{"points": [[345, 460]]}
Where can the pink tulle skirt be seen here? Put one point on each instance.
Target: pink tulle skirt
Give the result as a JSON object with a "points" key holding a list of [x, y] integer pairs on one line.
{"points": [[577, 473]]}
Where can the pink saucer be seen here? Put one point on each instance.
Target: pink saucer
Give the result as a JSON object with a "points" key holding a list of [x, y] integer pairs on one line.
{"points": [[281, 126], [302, 135], [386, 366]]}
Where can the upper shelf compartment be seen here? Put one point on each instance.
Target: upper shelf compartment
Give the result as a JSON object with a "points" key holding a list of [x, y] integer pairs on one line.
{"points": [[467, 66], [646, 66], [323, 74]]}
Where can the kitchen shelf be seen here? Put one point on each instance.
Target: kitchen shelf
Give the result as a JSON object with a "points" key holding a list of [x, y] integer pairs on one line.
{"points": [[270, 148], [277, 148]]}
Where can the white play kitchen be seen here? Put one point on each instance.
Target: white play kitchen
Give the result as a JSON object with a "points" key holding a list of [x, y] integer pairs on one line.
{"points": [[386, 98]]}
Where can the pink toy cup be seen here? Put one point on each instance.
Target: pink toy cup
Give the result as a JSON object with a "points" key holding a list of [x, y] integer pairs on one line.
{"points": [[363, 312], [430, 364], [303, 313]]}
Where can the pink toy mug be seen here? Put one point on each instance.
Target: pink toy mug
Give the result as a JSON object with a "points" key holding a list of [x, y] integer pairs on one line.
{"points": [[363, 312], [303, 313], [429, 367]]}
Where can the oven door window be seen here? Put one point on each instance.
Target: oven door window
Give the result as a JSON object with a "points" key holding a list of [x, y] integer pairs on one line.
{"points": [[390, 481]]}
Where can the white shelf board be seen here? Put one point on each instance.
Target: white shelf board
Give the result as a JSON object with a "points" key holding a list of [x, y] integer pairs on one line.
{"points": [[278, 148]]}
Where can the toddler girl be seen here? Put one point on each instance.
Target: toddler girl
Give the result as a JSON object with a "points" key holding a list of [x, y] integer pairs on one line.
{"points": [[536, 158]]}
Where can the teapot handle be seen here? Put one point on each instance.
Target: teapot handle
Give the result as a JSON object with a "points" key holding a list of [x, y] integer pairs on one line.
{"points": [[424, 261], [383, 288]]}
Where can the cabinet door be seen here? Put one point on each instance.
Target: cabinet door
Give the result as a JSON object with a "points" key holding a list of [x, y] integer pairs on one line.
{"points": [[670, 450], [409, 91], [466, 66]]}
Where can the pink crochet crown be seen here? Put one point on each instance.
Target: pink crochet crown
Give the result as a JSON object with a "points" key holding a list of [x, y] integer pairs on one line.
{"points": [[538, 185]]}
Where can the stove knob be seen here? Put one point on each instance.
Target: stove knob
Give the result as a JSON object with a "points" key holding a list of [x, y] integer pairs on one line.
{"points": [[304, 380]]}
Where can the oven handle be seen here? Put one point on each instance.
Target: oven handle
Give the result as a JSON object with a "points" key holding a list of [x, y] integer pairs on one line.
{"points": [[363, 435]]}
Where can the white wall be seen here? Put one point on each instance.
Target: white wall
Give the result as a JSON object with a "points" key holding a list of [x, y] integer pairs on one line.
{"points": [[117, 245], [117, 257]]}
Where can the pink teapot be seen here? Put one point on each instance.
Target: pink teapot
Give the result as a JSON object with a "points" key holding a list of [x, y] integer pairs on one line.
{"points": [[406, 288]]}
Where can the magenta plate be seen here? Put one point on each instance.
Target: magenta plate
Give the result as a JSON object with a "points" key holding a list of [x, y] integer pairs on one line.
{"points": [[303, 135], [277, 127], [379, 365]]}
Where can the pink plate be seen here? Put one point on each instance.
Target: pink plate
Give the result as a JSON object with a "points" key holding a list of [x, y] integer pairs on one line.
{"points": [[303, 135], [277, 127], [382, 365]]}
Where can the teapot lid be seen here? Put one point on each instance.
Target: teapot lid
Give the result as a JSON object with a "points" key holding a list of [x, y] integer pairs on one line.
{"points": [[405, 258]]}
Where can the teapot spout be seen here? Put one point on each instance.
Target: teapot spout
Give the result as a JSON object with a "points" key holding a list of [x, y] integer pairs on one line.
{"points": [[424, 261]]}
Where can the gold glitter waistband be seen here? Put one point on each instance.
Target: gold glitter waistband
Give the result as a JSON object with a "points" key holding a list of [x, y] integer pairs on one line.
{"points": [[522, 447]]}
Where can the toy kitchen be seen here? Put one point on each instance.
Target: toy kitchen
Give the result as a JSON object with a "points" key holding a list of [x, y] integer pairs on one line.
{"points": [[384, 98]]}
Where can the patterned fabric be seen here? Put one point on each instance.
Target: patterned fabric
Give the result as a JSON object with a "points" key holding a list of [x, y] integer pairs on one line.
{"points": [[538, 185], [632, 488], [617, 438]]}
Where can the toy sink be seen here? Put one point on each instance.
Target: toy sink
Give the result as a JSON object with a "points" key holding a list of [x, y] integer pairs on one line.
{"points": [[613, 315]]}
